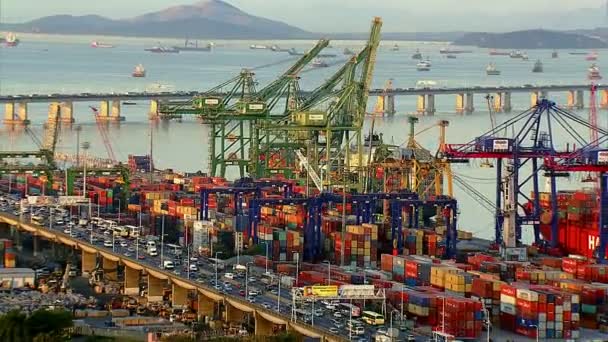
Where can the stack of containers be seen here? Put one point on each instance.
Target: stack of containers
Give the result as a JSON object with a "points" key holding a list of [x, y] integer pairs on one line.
{"points": [[592, 297], [487, 291], [574, 265], [422, 305], [420, 242], [284, 244], [439, 273], [459, 283], [6, 246], [526, 309], [417, 272], [312, 278], [460, 317], [261, 261]]}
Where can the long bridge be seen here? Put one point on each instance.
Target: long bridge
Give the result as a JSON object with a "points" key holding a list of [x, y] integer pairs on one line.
{"points": [[16, 106], [233, 309]]}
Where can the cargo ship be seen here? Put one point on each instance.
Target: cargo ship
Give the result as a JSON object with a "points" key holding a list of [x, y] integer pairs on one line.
{"points": [[453, 51], [395, 48], [11, 40], [491, 70], [554, 54], [592, 56], [162, 49], [258, 47], [318, 63], [495, 52], [98, 45], [417, 55], [139, 71], [593, 73], [193, 47], [424, 66], [516, 54], [538, 66]]}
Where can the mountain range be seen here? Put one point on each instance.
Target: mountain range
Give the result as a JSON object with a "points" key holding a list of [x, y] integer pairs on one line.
{"points": [[206, 19]]}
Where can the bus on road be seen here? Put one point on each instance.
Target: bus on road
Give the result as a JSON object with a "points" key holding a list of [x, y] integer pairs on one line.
{"points": [[372, 318]]}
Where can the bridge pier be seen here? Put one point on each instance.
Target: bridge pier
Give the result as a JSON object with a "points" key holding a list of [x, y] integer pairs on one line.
{"points": [[88, 262], [469, 106], [110, 113], [603, 98], [426, 104], [263, 327], [497, 105], [110, 269], [389, 105], [153, 112], [506, 102], [131, 287], [234, 315], [206, 306], [460, 103], [67, 112], [35, 245], [179, 297], [534, 98], [576, 99], [16, 116], [155, 289]]}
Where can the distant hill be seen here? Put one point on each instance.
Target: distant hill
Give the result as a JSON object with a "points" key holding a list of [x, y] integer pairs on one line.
{"points": [[532, 39], [205, 19]]}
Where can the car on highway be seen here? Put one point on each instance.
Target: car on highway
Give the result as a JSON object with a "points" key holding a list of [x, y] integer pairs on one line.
{"points": [[193, 267], [334, 330], [251, 300], [107, 243], [67, 231], [337, 314], [411, 338], [168, 264], [124, 243], [266, 306], [253, 293], [242, 293]]}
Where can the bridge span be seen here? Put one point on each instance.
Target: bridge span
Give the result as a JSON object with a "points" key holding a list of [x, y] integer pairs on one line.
{"points": [[109, 104], [210, 301]]}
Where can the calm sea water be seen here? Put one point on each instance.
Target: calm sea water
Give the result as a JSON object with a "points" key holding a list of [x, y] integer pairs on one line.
{"points": [[59, 64]]}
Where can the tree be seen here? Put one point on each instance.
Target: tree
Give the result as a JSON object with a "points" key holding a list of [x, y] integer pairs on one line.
{"points": [[52, 323], [13, 327]]}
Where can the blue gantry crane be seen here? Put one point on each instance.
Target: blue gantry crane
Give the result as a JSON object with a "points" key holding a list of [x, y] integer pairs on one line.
{"points": [[519, 160]]}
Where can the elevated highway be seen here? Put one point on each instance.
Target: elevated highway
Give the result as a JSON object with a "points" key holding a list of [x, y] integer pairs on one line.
{"points": [[210, 301]]}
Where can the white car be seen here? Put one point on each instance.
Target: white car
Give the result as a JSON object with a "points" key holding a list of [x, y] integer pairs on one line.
{"points": [[124, 243], [193, 267], [337, 314], [107, 243], [67, 231]]}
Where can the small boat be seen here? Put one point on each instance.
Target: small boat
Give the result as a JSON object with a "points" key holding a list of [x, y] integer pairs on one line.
{"points": [[98, 45], [395, 48], [327, 55], [139, 71], [193, 47], [592, 56], [417, 55], [554, 54], [11, 40], [577, 53], [524, 57], [450, 56], [317, 63], [258, 47], [129, 103], [423, 66], [538, 66], [491, 70], [453, 51], [495, 52], [593, 73], [516, 54], [293, 52], [162, 49], [348, 52]]}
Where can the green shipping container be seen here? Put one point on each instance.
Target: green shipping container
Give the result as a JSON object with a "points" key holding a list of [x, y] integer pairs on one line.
{"points": [[589, 309]]}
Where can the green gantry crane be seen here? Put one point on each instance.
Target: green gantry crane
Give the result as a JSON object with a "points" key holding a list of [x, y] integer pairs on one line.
{"points": [[320, 139], [232, 116], [45, 154]]}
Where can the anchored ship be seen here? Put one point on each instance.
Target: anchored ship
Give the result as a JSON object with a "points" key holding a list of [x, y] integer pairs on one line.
{"points": [[593, 72], [193, 47], [538, 66], [96, 44], [139, 71], [11, 40], [491, 70], [162, 49], [424, 66], [417, 55]]}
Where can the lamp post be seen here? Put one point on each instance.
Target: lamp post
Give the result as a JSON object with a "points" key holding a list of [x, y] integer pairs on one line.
{"points": [[328, 272], [216, 262], [78, 129], [85, 146], [118, 210], [392, 335], [266, 263], [162, 243], [279, 295], [350, 321], [535, 326], [297, 267], [247, 280]]}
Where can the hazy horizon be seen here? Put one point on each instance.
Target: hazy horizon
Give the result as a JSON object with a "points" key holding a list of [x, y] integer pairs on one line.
{"points": [[350, 15]]}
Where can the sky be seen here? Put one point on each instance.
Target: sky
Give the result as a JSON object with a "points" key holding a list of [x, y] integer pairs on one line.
{"points": [[312, 15]]}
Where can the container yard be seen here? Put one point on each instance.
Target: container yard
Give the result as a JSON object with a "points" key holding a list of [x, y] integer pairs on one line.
{"points": [[323, 208]]}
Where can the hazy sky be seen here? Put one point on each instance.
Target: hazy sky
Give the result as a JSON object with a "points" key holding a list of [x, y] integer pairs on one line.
{"points": [[313, 15]]}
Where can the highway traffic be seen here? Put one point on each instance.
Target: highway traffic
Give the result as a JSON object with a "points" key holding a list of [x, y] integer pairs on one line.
{"points": [[247, 281]]}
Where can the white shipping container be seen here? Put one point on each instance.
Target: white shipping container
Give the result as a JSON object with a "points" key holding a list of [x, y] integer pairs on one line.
{"points": [[542, 326], [559, 309], [528, 295], [576, 334], [576, 317], [507, 308], [542, 317], [575, 299], [550, 325], [559, 326], [559, 317], [542, 333], [567, 306], [507, 299]]}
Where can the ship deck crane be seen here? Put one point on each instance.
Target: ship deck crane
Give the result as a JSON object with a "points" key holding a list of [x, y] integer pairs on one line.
{"points": [[532, 142]]}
